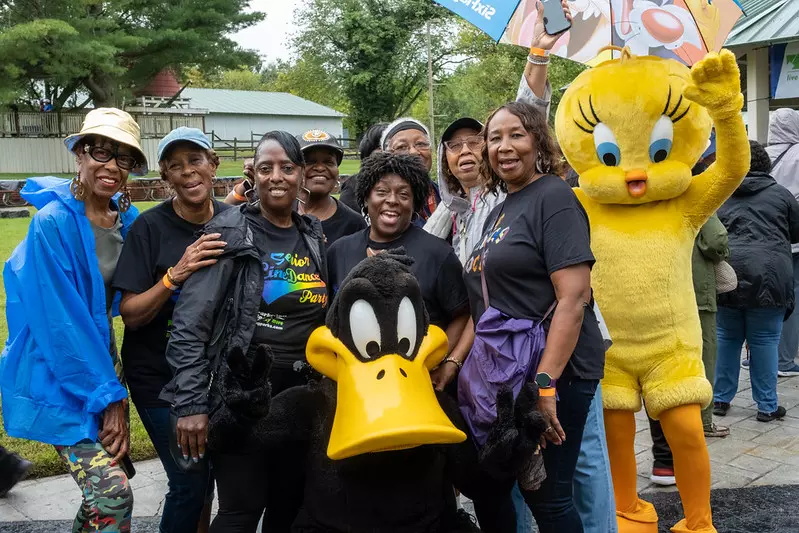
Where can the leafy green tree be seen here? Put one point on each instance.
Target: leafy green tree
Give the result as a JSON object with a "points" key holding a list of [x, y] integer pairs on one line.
{"points": [[109, 48], [375, 50]]}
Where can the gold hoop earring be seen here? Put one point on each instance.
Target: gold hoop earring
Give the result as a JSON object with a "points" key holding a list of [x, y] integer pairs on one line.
{"points": [[77, 188], [124, 201]]}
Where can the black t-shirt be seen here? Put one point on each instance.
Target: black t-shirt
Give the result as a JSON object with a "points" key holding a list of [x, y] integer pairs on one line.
{"points": [[535, 232], [155, 242], [435, 266], [344, 222], [294, 300]]}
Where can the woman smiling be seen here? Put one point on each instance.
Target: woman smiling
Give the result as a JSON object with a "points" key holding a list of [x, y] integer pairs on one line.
{"points": [[391, 188], [267, 288], [161, 252], [323, 156]]}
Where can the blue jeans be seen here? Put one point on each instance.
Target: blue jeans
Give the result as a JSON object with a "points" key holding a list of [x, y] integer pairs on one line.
{"points": [[761, 329], [593, 485], [553, 504], [188, 492], [789, 341]]}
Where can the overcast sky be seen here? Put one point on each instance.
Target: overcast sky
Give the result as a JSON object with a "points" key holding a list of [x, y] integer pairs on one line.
{"points": [[270, 37]]}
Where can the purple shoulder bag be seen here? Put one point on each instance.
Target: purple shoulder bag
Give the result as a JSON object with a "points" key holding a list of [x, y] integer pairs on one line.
{"points": [[506, 351]]}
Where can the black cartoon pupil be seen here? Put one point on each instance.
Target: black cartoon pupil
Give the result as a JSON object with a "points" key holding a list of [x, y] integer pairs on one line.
{"points": [[372, 349], [660, 155], [404, 345], [609, 160]]}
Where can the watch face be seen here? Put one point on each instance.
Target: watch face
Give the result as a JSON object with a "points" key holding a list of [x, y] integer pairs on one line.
{"points": [[543, 380]]}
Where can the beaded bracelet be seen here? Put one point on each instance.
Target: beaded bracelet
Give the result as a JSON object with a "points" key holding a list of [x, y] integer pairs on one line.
{"points": [[537, 60]]}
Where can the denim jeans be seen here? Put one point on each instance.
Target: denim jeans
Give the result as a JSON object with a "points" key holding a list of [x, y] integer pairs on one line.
{"points": [[593, 485], [188, 491], [761, 329], [789, 340], [553, 504]]}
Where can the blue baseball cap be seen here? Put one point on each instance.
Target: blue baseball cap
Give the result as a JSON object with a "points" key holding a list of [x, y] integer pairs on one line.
{"points": [[183, 134]]}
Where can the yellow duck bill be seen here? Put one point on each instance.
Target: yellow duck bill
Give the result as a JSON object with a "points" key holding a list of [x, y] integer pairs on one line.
{"points": [[385, 404]]}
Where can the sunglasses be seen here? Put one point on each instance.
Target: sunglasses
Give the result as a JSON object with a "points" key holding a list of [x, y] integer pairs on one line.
{"points": [[474, 143], [104, 155]]}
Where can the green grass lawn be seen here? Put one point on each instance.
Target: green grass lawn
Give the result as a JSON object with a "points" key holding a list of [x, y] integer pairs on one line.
{"points": [[43, 456]]}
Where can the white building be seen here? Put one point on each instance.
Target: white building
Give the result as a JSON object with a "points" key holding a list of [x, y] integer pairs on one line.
{"points": [[243, 114]]}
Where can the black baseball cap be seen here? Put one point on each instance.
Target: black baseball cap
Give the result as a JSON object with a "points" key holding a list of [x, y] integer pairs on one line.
{"points": [[318, 138], [464, 122]]}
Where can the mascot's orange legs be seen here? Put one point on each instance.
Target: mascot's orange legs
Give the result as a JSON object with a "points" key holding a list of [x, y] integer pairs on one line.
{"points": [[633, 514], [683, 429]]}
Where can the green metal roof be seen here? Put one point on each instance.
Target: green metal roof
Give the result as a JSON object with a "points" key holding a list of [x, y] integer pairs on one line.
{"points": [[766, 22], [256, 103]]}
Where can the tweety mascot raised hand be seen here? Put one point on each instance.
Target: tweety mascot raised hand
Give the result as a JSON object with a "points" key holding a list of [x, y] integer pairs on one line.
{"points": [[632, 128]]}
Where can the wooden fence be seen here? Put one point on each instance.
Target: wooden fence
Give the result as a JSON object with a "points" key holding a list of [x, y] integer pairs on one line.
{"points": [[57, 124], [236, 149], [141, 190]]}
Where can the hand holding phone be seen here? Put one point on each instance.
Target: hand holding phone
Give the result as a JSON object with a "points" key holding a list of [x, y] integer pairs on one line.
{"points": [[555, 18]]}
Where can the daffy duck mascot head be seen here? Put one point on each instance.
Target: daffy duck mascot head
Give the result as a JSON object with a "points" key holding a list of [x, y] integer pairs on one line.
{"points": [[383, 450]]}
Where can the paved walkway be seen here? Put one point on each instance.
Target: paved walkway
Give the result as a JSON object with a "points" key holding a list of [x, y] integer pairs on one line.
{"points": [[754, 454]]}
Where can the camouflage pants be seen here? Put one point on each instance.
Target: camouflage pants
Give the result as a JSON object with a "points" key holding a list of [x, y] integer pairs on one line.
{"points": [[107, 497]]}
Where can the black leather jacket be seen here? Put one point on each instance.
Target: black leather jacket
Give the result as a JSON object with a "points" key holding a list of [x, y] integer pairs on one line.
{"points": [[218, 308]]}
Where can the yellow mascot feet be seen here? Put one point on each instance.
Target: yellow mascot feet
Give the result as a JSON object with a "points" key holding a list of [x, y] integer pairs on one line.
{"points": [[633, 514], [683, 429]]}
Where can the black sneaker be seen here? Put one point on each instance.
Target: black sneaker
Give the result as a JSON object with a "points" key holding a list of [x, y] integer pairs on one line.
{"points": [[12, 470], [768, 417], [720, 408]]}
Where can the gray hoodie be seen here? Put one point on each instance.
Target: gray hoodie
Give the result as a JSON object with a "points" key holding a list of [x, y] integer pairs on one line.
{"points": [[469, 214], [783, 140]]}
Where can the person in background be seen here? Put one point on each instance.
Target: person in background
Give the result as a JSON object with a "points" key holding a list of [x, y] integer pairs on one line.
{"points": [[783, 149], [323, 156], [370, 143], [13, 469], [762, 221], [60, 377], [521, 158], [244, 190], [409, 136], [274, 266], [161, 252]]}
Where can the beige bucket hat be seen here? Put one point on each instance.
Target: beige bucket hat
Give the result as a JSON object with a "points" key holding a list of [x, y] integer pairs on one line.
{"points": [[116, 125]]}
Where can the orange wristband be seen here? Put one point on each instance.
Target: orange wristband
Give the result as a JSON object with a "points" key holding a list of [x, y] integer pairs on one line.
{"points": [[168, 284], [238, 197], [540, 52], [547, 393]]}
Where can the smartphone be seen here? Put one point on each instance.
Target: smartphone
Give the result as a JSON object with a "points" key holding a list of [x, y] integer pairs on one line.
{"points": [[127, 466], [555, 20]]}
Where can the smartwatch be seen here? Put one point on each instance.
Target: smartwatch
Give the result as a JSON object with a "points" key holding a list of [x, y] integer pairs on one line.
{"points": [[545, 381]]}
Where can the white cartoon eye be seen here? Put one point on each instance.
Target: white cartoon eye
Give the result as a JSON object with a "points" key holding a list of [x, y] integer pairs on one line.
{"points": [[365, 329], [607, 148], [406, 327], [660, 141]]}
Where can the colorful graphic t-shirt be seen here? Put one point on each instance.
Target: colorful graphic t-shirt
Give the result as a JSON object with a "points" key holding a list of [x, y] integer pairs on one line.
{"points": [[294, 298]]}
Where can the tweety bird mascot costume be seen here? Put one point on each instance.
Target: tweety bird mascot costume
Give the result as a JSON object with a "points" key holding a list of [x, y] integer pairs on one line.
{"points": [[632, 128]]}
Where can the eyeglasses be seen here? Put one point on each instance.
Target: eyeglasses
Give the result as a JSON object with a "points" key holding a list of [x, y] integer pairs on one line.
{"points": [[474, 144], [104, 155], [421, 146]]}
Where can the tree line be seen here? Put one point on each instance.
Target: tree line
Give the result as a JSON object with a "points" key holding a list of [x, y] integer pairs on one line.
{"points": [[365, 58]]}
